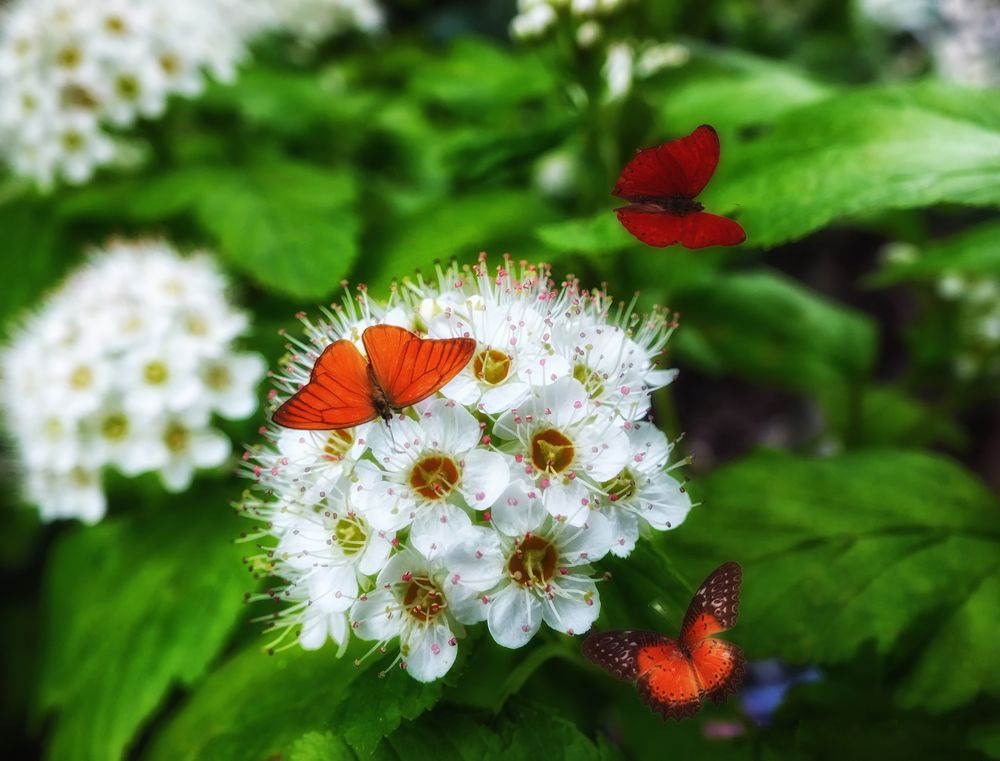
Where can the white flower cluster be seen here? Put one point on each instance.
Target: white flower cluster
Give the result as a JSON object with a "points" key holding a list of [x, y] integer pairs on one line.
{"points": [[490, 501], [123, 367], [978, 303], [308, 21], [962, 36], [72, 70], [535, 17]]}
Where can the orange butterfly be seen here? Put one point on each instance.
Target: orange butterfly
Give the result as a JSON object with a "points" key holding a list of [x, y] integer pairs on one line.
{"points": [[346, 390], [674, 675]]}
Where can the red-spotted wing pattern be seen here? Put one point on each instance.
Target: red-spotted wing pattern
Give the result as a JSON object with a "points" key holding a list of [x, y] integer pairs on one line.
{"points": [[674, 676]]}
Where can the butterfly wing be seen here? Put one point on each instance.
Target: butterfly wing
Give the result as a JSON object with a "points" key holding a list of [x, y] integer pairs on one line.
{"points": [[410, 368], [715, 608], [338, 394], [696, 230], [720, 666], [679, 167], [664, 676], [701, 229], [617, 651], [668, 682], [654, 228]]}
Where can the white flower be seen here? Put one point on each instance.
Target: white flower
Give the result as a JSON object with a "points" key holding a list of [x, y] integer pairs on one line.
{"points": [[431, 468], [565, 447], [488, 501], [113, 371], [74, 494], [508, 319], [643, 491], [330, 551], [410, 601], [546, 573], [71, 71]]}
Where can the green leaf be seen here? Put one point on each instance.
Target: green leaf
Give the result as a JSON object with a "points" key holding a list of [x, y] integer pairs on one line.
{"points": [[134, 606], [862, 547], [29, 250], [868, 150], [479, 77], [889, 417], [256, 706], [524, 734], [288, 226], [736, 91], [320, 746], [975, 251], [496, 221], [986, 738], [600, 234], [766, 327]]}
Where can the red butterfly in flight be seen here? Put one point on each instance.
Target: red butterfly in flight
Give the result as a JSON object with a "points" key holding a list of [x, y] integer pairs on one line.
{"points": [[660, 185], [674, 675], [346, 390]]}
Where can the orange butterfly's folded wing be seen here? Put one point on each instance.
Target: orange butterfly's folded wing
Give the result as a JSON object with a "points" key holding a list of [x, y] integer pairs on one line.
{"points": [[410, 368], [654, 228], [667, 680], [701, 230], [720, 666], [338, 394], [679, 167], [715, 606]]}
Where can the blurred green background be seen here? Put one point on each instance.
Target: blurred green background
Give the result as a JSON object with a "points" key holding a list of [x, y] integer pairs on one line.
{"points": [[839, 403]]}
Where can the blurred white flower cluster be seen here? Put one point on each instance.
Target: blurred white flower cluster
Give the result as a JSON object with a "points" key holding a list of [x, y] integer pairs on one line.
{"points": [[535, 17], [978, 303], [70, 70], [73, 72], [123, 366], [309, 21], [488, 502], [962, 36]]}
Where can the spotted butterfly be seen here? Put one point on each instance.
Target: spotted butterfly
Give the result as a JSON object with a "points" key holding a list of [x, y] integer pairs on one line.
{"points": [[673, 676]]}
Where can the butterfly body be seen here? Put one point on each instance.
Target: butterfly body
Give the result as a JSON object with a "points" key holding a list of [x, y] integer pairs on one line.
{"points": [[345, 389], [674, 676], [380, 402], [661, 183]]}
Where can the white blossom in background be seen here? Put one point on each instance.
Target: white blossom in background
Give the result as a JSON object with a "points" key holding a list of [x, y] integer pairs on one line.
{"points": [[123, 367], [308, 21], [977, 303], [71, 72], [962, 36], [535, 17], [489, 502]]}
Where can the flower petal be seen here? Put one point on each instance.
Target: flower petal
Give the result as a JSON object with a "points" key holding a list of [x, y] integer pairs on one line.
{"points": [[514, 616]]}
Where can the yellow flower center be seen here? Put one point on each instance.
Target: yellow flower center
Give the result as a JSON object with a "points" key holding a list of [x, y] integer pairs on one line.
{"points": [[621, 486], [218, 377], [350, 534], [114, 426], [491, 366], [533, 562], [176, 437], [338, 443], [422, 599], [81, 378], [434, 477], [156, 373], [551, 451], [591, 381]]}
